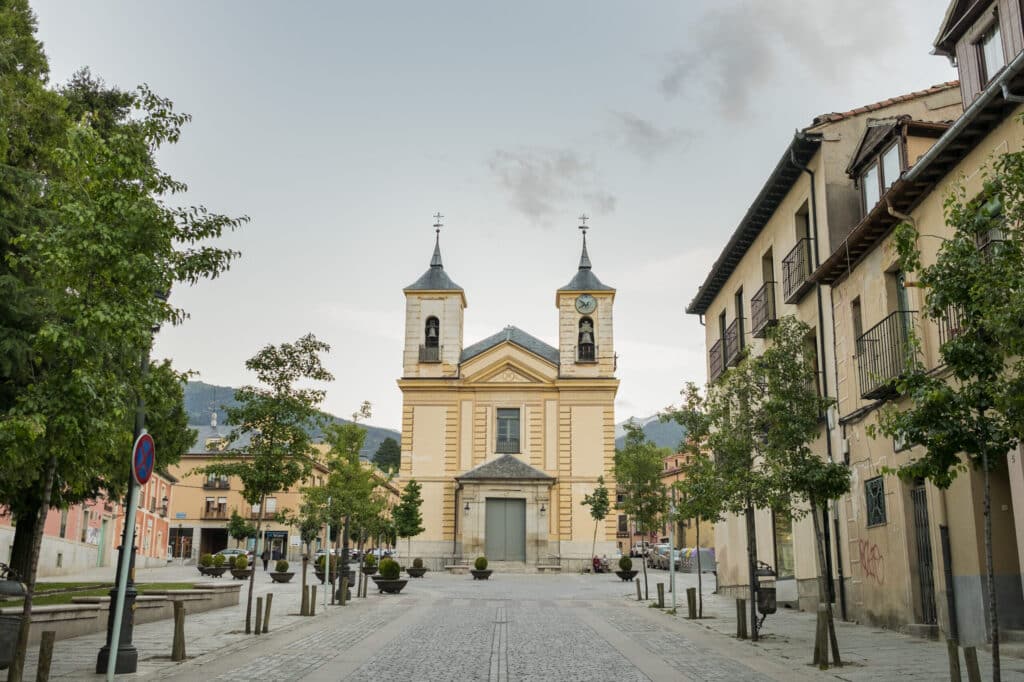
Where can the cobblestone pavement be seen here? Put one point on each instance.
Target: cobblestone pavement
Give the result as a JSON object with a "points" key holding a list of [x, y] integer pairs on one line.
{"points": [[512, 627]]}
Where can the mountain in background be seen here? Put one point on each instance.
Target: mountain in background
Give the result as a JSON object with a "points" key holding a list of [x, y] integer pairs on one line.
{"points": [[201, 399], [662, 434]]}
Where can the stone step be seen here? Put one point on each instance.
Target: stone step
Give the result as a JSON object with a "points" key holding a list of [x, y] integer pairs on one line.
{"points": [[1011, 635]]}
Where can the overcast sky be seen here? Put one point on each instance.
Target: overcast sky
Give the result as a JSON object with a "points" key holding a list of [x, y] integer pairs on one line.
{"points": [[341, 127]]}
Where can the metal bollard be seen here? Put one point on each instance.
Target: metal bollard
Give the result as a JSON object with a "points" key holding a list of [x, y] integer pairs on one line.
{"points": [[343, 591], [45, 656], [953, 653], [741, 618], [661, 595], [821, 638], [691, 602], [971, 661], [312, 600], [266, 615], [259, 615], [639, 597], [178, 643], [304, 608]]}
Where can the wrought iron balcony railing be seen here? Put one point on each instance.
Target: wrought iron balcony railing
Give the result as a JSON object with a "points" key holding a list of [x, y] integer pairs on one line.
{"points": [[430, 353], [883, 354], [214, 513], [716, 361], [796, 271], [762, 310], [507, 445], [951, 326], [217, 484], [733, 343], [586, 352]]}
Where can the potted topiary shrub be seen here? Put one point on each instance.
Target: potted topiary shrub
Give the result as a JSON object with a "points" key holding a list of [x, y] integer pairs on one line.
{"points": [[218, 568], [480, 570], [389, 581], [205, 563], [417, 570], [319, 569], [281, 574], [626, 571], [370, 564], [240, 567]]}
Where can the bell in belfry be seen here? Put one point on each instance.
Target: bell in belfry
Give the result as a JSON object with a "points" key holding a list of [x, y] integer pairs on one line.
{"points": [[586, 333], [432, 332]]}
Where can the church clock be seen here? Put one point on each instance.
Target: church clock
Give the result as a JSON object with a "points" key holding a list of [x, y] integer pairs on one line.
{"points": [[586, 304]]}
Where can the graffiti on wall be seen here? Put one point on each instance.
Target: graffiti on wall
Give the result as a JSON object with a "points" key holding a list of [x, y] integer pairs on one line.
{"points": [[872, 563]]}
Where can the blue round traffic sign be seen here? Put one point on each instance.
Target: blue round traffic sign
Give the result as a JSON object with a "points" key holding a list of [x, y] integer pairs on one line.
{"points": [[143, 458]]}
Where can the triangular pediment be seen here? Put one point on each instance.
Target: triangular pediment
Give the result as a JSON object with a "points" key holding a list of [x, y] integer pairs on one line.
{"points": [[504, 468], [508, 364]]}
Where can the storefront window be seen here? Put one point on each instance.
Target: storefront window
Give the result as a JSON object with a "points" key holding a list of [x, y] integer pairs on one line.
{"points": [[784, 545]]}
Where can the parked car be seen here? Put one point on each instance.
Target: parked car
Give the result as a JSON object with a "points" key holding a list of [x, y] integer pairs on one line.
{"points": [[640, 549], [232, 552], [657, 551]]}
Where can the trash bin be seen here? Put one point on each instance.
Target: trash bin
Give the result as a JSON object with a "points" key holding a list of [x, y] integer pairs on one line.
{"points": [[766, 604]]}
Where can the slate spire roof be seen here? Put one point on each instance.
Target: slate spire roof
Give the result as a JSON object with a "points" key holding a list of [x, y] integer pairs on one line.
{"points": [[585, 279], [516, 336], [435, 278], [506, 467]]}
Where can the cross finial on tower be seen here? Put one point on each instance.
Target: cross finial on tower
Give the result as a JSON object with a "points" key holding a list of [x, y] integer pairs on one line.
{"points": [[435, 262], [583, 223], [584, 258], [437, 222]]}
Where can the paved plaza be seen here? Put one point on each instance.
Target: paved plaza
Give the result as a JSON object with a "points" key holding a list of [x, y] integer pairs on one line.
{"points": [[512, 627]]}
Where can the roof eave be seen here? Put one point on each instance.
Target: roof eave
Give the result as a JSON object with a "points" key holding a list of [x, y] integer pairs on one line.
{"points": [[803, 147]]}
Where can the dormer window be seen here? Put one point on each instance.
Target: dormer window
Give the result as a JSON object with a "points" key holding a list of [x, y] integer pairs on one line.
{"points": [[990, 47], [880, 175]]}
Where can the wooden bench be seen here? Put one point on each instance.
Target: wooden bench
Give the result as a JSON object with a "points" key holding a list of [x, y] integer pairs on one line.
{"points": [[544, 568], [457, 569]]}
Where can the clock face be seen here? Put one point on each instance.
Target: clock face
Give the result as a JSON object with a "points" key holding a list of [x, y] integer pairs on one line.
{"points": [[586, 304]]}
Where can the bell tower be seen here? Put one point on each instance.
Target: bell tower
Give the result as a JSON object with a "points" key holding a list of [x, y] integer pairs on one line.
{"points": [[586, 344], [434, 306]]}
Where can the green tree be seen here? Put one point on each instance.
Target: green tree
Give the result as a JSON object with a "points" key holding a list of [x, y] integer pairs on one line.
{"points": [[239, 528], [638, 467], [389, 455], [700, 494], [407, 517], [93, 241], [968, 416], [277, 416], [599, 506]]}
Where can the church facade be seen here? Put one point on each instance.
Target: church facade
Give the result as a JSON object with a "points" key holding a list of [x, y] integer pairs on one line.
{"points": [[508, 434]]}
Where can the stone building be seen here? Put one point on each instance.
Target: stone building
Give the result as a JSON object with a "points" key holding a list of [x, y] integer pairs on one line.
{"points": [[905, 538], [507, 435], [807, 205]]}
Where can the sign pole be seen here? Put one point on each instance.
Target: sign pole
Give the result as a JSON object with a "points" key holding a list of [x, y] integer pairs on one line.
{"points": [[122, 584], [327, 557], [672, 550]]}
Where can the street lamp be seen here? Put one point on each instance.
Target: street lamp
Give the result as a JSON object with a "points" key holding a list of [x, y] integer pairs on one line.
{"points": [[127, 656]]}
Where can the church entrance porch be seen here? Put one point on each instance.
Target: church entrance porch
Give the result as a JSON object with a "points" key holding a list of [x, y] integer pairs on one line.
{"points": [[505, 529]]}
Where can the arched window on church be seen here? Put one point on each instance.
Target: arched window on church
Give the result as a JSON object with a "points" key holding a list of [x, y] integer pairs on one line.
{"points": [[586, 349], [430, 351]]}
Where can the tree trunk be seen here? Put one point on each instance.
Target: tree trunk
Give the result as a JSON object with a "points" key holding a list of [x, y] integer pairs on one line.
{"points": [[593, 545], [819, 544], [752, 568], [21, 648], [24, 536], [252, 576], [700, 584], [647, 592], [993, 613]]}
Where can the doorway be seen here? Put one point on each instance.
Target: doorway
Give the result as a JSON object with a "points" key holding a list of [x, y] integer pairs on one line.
{"points": [[925, 564], [505, 529]]}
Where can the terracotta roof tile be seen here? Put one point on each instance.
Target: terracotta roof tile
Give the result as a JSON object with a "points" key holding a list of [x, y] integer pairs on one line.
{"points": [[840, 115]]}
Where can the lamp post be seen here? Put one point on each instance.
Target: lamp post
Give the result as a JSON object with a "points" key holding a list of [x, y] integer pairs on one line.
{"points": [[127, 656]]}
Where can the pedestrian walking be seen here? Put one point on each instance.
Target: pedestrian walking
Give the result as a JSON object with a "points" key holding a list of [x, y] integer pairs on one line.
{"points": [[266, 557]]}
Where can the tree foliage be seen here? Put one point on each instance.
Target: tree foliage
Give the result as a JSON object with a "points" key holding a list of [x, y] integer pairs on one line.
{"points": [[389, 455], [277, 416], [599, 504], [638, 467], [406, 515]]}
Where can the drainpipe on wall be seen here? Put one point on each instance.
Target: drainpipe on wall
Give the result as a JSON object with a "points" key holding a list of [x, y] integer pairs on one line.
{"points": [[953, 629], [824, 389], [455, 522]]}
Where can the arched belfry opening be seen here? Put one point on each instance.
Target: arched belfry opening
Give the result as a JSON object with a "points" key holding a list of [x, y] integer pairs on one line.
{"points": [[585, 341], [432, 332]]}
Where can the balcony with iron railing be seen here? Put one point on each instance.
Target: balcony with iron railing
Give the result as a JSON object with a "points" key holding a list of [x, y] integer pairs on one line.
{"points": [[762, 310], [214, 513], [796, 271], [507, 446], [883, 354], [733, 343], [951, 325], [716, 361], [217, 484], [430, 353]]}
